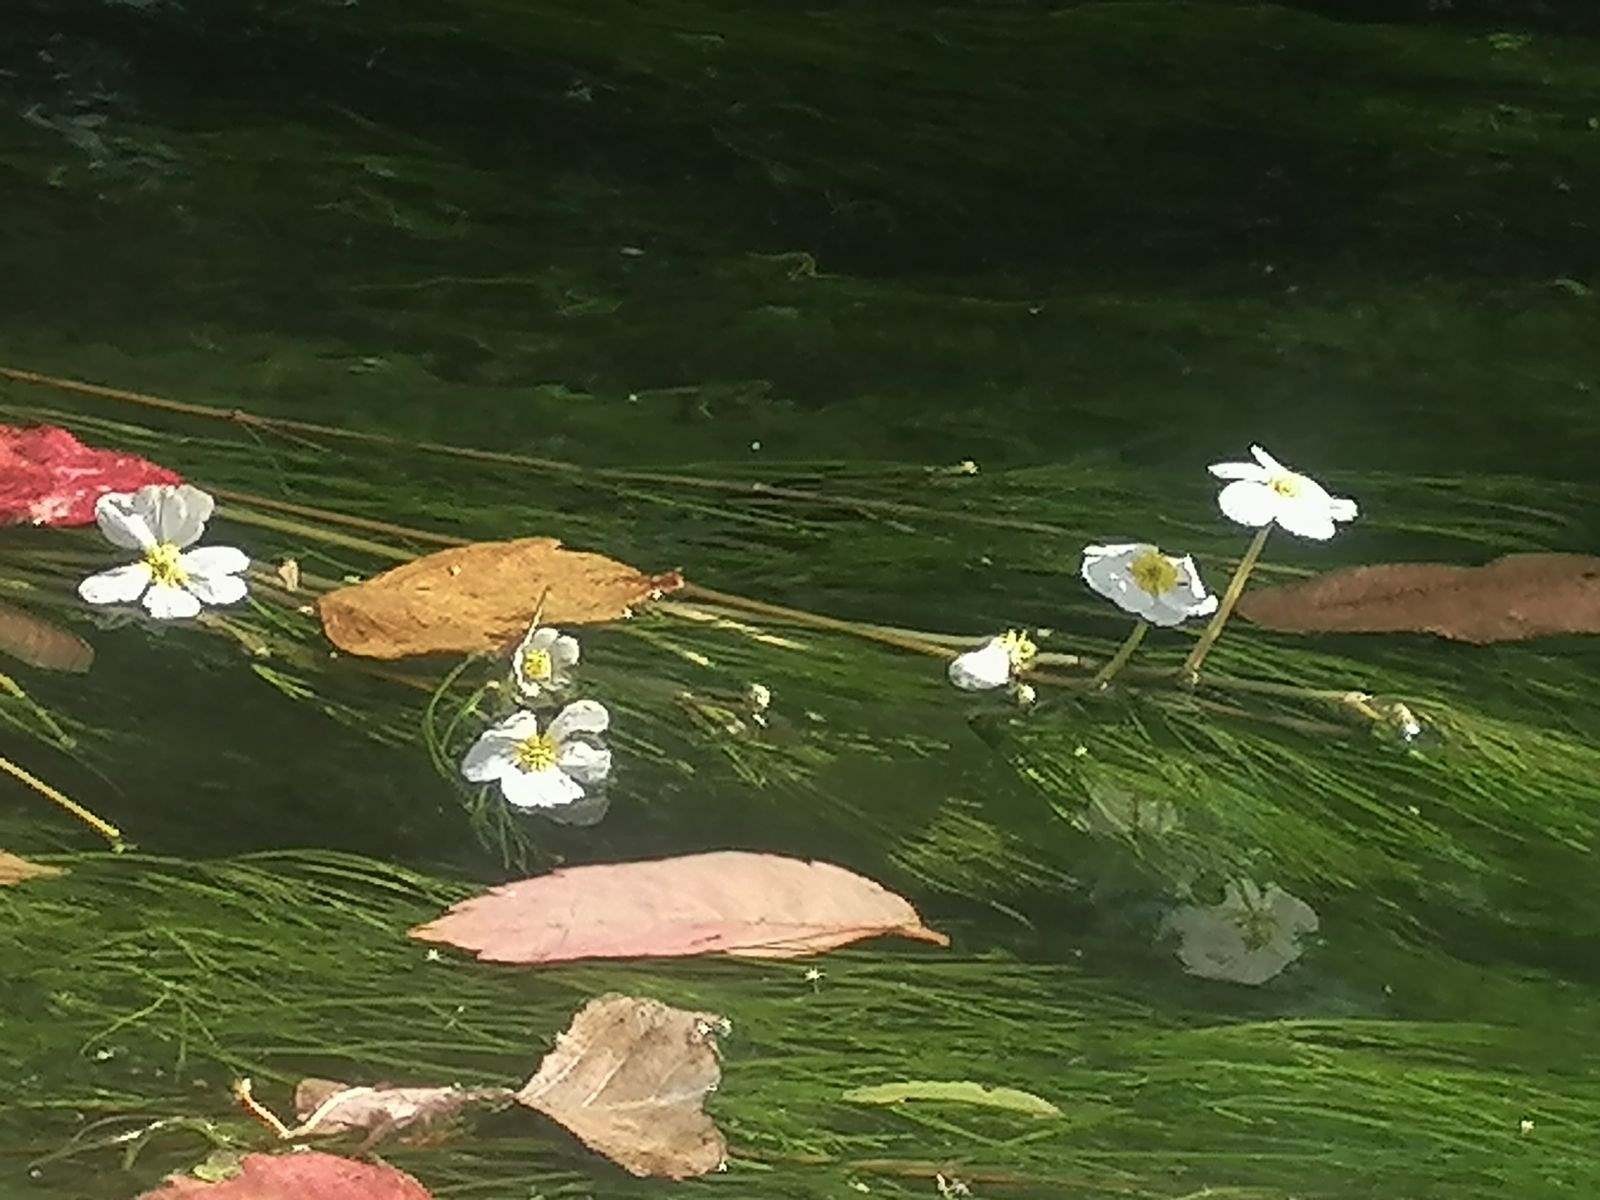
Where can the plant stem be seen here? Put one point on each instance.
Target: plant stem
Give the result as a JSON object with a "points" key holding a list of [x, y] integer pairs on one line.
{"points": [[1191, 665], [1120, 658], [106, 830]]}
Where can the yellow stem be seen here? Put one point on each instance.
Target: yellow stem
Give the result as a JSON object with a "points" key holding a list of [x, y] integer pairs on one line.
{"points": [[1119, 659], [1191, 665], [107, 830]]}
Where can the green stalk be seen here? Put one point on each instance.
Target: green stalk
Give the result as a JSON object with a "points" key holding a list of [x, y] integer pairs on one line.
{"points": [[1191, 665], [1120, 658]]}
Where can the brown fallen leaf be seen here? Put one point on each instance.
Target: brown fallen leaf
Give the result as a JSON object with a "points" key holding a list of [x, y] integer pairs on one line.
{"points": [[483, 597], [326, 1108], [726, 902], [41, 643], [302, 1176], [14, 870], [628, 1079], [1512, 598]]}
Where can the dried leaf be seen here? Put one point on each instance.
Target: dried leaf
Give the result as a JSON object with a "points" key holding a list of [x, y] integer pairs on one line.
{"points": [[628, 1079], [41, 643], [726, 902], [301, 1176], [1512, 598], [326, 1107], [959, 1091], [14, 870], [49, 477], [482, 597]]}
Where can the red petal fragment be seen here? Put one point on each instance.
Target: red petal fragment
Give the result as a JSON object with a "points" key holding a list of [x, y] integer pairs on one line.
{"points": [[49, 477], [298, 1176]]}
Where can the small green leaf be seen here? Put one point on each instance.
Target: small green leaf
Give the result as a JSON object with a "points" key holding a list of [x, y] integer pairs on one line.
{"points": [[960, 1091]]}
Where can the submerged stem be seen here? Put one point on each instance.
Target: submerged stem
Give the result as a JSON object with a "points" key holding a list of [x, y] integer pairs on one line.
{"points": [[1191, 665], [106, 830], [1119, 659]]}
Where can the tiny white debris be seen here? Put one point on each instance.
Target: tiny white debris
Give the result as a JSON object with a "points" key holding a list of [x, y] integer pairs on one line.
{"points": [[1266, 492], [1025, 695], [1525, 1125], [755, 445], [161, 521]]}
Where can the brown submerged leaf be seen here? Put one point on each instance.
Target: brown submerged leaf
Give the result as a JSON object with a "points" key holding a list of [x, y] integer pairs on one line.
{"points": [[483, 597], [304, 1176], [326, 1108], [726, 902], [628, 1078], [41, 643], [1510, 599], [14, 870]]}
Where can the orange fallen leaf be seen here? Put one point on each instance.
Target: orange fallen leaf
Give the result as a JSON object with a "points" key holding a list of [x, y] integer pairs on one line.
{"points": [[482, 597], [302, 1176], [41, 643], [726, 902], [628, 1079], [1510, 599], [14, 870]]}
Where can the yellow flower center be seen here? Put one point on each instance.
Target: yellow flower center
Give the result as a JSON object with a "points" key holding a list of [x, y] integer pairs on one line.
{"points": [[1019, 647], [1288, 486], [536, 752], [162, 559], [536, 664], [1153, 571]]}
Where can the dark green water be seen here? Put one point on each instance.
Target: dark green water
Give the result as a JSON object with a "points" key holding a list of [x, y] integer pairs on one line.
{"points": [[1091, 248]]}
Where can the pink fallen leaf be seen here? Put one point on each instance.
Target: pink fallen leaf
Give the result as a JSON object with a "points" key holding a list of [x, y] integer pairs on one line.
{"points": [[726, 902], [14, 870], [628, 1079], [298, 1176], [49, 477]]}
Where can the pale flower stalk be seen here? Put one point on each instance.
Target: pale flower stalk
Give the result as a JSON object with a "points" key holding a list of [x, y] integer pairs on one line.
{"points": [[993, 664], [162, 522], [543, 765]]}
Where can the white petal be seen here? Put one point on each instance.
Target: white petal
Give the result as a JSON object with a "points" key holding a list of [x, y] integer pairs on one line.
{"points": [[1307, 519], [120, 585], [1105, 568], [549, 788], [121, 519], [1270, 464], [581, 716], [1163, 612], [214, 560], [518, 725], [1342, 509], [978, 670], [541, 638], [1239, 470], [1249, 503], [166, 602], [218, 589], [564, 651], [1292, 914], [588, 764], [181, 513], [491, 756]]}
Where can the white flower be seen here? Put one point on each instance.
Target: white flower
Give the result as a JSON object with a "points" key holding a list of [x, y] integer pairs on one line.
{"points": [[543, 768], [543, 661], [1248, 938], [992, 664], [1266, 491], [1153, 586], [162, 521]]}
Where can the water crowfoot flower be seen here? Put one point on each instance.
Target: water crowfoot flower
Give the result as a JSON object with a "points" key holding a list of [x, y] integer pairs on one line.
{"points": [[1266, 492], [548, 767], [161, 521], [543, 660], [1155, 587], [1249, 938], [994, 663]]}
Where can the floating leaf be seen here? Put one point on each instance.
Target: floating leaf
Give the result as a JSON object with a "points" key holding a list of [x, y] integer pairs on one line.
{"points": [[299, 1176], [14, 870], [326, 1107], [726, 902], [1512, 598], [482, 597], [628, 1079], [49, 477], [41, 643], [960, 1091]]}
